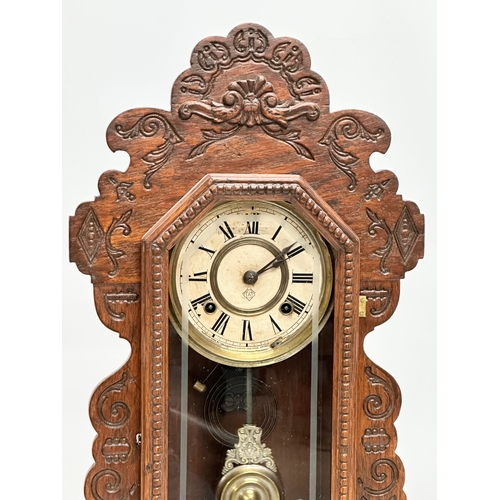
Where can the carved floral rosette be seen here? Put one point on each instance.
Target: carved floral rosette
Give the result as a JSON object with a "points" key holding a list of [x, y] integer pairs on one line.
{"points": [[249, 102]]}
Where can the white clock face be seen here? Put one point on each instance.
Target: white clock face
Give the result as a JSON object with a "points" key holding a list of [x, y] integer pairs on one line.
{"points": [[250, 276]]}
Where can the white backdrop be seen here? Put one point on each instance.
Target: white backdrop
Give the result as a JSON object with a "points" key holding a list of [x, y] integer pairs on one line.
{"points": [[375, 55]]}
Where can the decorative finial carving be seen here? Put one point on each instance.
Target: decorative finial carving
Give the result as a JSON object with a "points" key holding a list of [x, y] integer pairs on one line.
{"points": [[251, 103]]}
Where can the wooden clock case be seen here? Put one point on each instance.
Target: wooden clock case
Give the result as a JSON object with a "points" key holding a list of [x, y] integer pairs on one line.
{"points": [[249, 118]]}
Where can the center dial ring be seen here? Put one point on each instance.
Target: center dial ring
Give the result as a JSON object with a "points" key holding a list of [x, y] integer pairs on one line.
{"points": [[235, 261]]}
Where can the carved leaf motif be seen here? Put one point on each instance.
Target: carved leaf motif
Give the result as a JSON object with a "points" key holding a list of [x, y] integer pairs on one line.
{"points": [[210, 137], [115, 253], [382, 252], [149, 126], [291, 138], [156, 160], [347, 127]]}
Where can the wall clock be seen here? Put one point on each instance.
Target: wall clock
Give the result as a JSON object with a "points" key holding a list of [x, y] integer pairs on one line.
{"points": [[245, 254]]}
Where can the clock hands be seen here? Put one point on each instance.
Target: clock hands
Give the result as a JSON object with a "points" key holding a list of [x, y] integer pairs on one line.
{"points": [[277, 260], [251, 277]]}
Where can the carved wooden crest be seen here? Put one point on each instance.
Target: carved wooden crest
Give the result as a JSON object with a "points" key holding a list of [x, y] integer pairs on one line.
{"points": [[248, 104]]}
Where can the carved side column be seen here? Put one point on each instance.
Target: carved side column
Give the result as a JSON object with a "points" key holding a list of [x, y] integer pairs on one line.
{"points": [[380, 471], [114, 403]]}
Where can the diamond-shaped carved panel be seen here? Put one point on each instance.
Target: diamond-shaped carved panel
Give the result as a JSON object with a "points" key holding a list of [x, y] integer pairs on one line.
{"points": [[91, 236], [405, 233]]}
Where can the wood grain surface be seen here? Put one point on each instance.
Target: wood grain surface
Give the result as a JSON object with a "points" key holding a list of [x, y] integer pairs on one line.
{"points": [[249, 118]]}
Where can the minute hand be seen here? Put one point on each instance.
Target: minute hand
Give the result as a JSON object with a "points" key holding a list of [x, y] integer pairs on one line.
{"points": [[277, 260]]}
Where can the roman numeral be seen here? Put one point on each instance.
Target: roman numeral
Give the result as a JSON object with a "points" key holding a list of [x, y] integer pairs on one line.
{"points": [[276, 327], [221, 323], [228, 233], [199, 276], [252, 227], [295, 251], [276, 233], [210, 252], [200, 300], [298, 306], [302, 277], [246, 330]]}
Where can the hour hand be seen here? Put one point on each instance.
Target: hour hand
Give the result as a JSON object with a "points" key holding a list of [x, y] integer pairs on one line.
{"points": [[251, 277]]}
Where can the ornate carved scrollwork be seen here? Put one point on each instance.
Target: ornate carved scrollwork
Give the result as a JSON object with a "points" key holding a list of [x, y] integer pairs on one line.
{"points": [[382, 252], [119, 412], [115, 253], [405, 234], [288, 57], [149, 126], [110, 482], [386, 482], [251, 41], [350, 129], [250, 103], [373, 405], [91, 237]]}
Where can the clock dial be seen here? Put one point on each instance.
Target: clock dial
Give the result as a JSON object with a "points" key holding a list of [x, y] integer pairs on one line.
{"points": [[250, 276]]}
